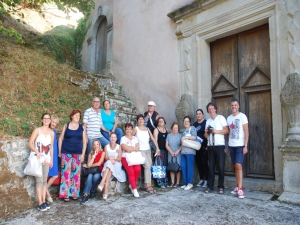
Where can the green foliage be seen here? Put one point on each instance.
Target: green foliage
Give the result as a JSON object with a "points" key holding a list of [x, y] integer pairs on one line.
{"points": [[79, 36], [83, 6], [11, 33], [60, 41]]}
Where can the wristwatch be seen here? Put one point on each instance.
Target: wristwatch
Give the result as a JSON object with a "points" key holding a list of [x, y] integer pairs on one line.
{"points": [[246, 146]]}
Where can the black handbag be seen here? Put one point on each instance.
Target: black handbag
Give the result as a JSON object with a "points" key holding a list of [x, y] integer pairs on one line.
{"points": [[173, 166], [90, 170]]}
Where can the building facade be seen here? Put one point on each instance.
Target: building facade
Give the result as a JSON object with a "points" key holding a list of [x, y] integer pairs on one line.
{"points": [[210, 50]]}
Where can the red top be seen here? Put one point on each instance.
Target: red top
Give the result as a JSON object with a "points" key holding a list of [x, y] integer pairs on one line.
{"points": [[97, 159]]}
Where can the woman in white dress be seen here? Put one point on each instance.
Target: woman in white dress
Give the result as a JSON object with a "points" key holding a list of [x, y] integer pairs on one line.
{"points": [[113, 166]]}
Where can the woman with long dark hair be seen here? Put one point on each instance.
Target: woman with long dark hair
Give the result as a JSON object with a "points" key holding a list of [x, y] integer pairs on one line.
{"points": [[41, 143]]}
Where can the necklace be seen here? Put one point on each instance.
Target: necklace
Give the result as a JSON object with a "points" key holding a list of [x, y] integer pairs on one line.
{"points": [[113, 147]]}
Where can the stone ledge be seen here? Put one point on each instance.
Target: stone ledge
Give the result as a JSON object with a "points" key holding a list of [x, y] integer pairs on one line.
{"points": [[289, 197]]}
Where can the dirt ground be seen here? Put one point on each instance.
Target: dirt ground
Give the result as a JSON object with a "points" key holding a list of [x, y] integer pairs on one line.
{"points": [[168, 206]]}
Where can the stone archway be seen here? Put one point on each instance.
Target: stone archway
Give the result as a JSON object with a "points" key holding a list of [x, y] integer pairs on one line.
{"points": [[99, 42]]}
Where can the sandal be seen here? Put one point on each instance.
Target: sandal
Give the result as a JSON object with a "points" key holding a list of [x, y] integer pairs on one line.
{"points": [[208, 191], [150, 190], [221, 191], [105, 196], [171, 185], [175, 185], [66, 199]]}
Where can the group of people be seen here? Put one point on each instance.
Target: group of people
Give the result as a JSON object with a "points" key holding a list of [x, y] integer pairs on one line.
{"points": [[99, 148]]}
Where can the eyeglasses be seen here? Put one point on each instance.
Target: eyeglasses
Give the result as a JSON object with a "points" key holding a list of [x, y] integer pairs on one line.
{"points": [[96, 101], [161, 121]]}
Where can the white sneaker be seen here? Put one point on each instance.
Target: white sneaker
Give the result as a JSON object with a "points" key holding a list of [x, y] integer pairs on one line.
{"points": [[130, 188], [201, 182], [50, 200], [135, 193], [183, 186], [235, 191], [188, 187], [241, 194], [205, 184]]}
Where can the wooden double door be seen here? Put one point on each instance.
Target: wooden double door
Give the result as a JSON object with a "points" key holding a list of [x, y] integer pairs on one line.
{"points": [[240, 66]]}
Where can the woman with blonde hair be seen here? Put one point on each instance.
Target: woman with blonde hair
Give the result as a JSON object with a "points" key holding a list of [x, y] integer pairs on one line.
{"points": [[53, 172], [95, 158]]}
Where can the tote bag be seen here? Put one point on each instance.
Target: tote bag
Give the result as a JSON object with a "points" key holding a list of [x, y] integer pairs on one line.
{"points": [[34, 166], [134, 158], [158, 170]]}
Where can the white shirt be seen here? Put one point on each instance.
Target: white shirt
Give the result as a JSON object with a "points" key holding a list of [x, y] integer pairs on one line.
{"points": [[237, 134], [144, 138], [218, 124], [128, 142]]}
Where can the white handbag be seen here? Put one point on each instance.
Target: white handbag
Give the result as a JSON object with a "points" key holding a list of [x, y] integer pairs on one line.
{"points": [[134, 158], [34, 166], [191, 144]]}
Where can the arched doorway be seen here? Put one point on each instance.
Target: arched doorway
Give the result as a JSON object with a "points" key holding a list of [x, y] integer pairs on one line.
{"points": [[101, 46]]}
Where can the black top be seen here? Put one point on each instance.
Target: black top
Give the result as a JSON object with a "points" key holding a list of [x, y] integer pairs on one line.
{"points": [[200, 127], [148, 122], [161, 139]]}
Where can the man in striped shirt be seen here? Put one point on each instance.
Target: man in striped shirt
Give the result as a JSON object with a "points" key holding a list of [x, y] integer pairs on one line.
{"points": [[92, 123]]}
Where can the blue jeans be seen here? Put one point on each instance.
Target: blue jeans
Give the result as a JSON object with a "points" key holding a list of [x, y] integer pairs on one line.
{"points": [[118, 131], [102, 140], [216, 157], [187, 168], [91, 183]]}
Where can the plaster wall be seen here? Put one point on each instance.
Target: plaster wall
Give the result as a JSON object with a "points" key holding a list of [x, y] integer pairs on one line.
{"points": [[145, 53]]}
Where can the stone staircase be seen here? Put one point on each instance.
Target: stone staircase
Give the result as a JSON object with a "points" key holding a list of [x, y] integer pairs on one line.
{"points": [[106, 87]]}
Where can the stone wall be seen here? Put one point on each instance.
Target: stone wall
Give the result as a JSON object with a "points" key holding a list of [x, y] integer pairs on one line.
{"points": [[17, 192]]}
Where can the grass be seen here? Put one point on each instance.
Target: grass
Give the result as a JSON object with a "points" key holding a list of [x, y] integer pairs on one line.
{"points": [[32, 83]]}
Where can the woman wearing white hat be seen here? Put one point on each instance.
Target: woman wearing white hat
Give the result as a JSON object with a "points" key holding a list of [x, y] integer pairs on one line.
{"points": [[151, 116]]}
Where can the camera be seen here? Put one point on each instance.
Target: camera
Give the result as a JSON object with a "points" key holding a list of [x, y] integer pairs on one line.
{"points": [[209, 129]]}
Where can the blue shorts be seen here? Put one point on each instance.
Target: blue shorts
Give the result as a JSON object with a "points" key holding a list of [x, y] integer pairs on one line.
{"points": [[236, 154]]}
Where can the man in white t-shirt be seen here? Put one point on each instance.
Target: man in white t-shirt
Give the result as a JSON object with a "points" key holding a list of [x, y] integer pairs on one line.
{"points": [[215, 130], [238, 140]]}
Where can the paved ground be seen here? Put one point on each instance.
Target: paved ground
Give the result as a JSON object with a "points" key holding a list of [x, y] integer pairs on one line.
{"points": [[169, 206]]}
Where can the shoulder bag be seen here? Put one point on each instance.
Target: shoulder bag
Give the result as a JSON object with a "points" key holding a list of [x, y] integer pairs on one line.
{"points": [[34, 166], [194, 144], [85, 171], [134, 158]]}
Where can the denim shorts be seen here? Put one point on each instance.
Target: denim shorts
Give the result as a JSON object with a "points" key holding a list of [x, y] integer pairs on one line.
{"points": [[236, 154]]}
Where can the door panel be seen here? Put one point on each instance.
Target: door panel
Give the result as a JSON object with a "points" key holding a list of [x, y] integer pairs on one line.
{"points": [[101, 46], [260, 159], [240, 67]]}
